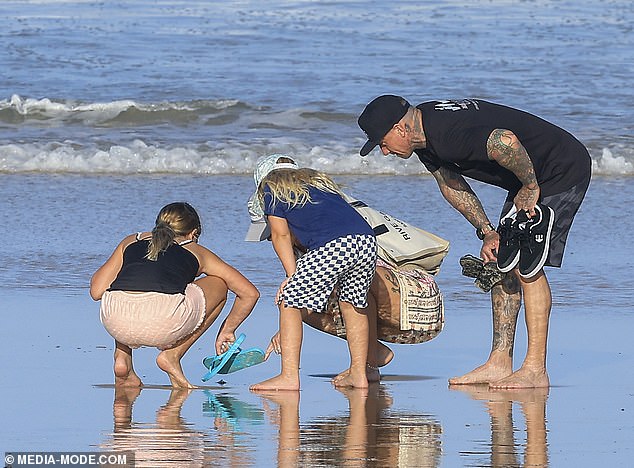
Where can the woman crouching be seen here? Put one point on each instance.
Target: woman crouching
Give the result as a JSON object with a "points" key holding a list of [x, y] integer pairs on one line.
{"points": [[150, 295]]}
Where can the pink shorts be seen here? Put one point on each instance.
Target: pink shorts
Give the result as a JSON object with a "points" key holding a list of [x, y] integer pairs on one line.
{"points": [[152, 319]]}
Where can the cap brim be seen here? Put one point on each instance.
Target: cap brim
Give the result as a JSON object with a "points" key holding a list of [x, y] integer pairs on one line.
{"points": [[258, 231], [369, 146]]}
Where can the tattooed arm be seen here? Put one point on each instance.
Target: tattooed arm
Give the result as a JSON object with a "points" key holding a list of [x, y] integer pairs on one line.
{"points": [[459, 194], [505, 148]]}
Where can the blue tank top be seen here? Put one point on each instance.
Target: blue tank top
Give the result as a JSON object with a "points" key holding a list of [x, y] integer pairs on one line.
{"points": [[170, 273]]}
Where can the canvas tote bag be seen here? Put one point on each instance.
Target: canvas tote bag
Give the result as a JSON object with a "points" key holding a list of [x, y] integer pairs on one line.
{"points": [[401, 243]]}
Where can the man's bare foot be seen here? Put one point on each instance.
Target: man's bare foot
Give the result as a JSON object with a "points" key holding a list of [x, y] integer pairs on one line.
{"points": [[124, 375], [523, 378], [486, 373], [171, 365], [384, 355], [279, 382]]}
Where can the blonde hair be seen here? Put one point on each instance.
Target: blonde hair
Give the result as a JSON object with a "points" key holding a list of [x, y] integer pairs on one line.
{"points": [[175, 219], [292, 185]]}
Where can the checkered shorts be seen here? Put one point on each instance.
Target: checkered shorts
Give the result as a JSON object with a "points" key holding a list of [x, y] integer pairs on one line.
{"points": [[349, 261]]}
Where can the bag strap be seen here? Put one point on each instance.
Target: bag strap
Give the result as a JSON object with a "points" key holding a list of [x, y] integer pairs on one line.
{"points": [[378, 229]]}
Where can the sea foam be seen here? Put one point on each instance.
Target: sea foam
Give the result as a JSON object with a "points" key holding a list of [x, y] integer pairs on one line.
{"points": [[139, 157]]}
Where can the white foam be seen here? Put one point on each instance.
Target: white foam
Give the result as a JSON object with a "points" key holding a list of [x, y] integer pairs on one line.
{"points": [[98, 112], [51, 109], [609, 164], [138, 157], [141, 158]]}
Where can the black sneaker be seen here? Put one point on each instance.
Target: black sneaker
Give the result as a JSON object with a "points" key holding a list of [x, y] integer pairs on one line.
{"points": [[535, 241], [509, 250]]}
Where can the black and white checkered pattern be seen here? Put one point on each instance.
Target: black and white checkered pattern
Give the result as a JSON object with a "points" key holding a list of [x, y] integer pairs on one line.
{"points": [[349, 261]]}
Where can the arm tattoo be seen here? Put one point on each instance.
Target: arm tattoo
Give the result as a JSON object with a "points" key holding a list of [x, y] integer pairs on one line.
{"points": [[459, 194], [504, 148]]}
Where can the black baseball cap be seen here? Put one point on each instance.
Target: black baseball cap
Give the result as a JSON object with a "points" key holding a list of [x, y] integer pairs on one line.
{"points": [[379, 117]]}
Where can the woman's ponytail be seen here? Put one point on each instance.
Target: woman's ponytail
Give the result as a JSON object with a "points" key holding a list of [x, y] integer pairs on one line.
{"points": [[162, 237], [175, 219]]}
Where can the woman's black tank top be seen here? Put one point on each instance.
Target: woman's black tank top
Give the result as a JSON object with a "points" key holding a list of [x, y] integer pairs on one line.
{"points": [[174, 269]]}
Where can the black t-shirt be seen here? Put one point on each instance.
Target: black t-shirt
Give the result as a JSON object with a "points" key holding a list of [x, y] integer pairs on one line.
{"points": [[174, 269], [457, 134]]}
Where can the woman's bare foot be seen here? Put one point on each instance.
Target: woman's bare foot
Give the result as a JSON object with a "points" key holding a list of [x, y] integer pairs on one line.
{"points": [[279, 382], [486, 373], [170, 363], [523, 378], [124, 375], [384, 355]]}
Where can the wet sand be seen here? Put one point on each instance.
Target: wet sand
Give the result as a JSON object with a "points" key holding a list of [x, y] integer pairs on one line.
{"points": [[57, 395]]}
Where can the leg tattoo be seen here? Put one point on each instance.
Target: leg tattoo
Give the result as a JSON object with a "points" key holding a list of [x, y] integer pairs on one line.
{"points": [[506, 298]]}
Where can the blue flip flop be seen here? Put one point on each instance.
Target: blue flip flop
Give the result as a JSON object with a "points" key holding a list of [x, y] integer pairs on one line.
{"points": [[234, 359]]}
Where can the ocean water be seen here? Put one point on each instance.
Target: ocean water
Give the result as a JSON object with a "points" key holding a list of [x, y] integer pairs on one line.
{"points": [[109, 110], [193, 87]]}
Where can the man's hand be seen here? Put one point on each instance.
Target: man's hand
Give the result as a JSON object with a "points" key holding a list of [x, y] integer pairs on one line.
{"points": [[490, 245], [526, 199]]}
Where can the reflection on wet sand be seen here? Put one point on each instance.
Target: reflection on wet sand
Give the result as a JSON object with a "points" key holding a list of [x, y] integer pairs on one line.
{"points": [[370, 435], [171, 441], [504, 450]]}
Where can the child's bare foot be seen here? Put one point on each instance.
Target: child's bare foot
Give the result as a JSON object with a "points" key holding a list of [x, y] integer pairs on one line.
{"points": [[371, 373], [340, 376], [279, 382], [170, 363], [349, 379]]}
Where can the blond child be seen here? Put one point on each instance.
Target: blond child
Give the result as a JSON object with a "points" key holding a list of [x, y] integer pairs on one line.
{"points": [[305, 207]]}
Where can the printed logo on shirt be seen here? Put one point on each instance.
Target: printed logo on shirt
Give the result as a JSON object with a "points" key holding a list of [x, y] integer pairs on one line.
{"points": [[452, 105]]}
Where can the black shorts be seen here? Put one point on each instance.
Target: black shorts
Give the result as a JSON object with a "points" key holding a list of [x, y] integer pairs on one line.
{"points": [[565, 205]]}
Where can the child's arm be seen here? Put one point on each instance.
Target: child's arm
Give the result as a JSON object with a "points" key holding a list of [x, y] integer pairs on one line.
{"points": [[282, 243]]}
